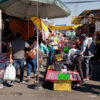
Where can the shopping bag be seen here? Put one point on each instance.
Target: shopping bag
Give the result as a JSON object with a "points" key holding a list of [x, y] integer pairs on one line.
{"points": [[10, 73]]}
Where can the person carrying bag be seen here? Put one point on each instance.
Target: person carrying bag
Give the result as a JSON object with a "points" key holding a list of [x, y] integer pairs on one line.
{"points": [[10, 73], [31, 62]]}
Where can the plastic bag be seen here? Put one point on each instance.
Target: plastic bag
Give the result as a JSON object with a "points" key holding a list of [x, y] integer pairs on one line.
{"points": [[10, 73]]}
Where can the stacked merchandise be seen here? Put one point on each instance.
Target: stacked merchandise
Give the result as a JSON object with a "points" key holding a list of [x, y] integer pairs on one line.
{"points": [[59, 57], [57, 75], [62, 78]]}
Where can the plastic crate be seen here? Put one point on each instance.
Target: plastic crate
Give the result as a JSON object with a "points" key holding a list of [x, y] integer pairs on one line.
{"points": [[62, 85]]}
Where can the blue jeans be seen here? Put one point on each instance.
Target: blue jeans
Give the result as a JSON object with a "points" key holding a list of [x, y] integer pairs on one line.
{"points": [[21, 64], [31, 63], [86, 63]]}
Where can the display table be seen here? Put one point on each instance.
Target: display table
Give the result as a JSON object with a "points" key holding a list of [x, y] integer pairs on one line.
{"points": [[53, 75], [64, 83]]}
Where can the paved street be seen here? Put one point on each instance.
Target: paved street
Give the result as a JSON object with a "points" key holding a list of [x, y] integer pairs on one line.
{"points": [[90, 91]]}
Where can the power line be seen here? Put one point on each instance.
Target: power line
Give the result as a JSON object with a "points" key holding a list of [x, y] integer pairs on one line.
{"points": [[82, 1]]}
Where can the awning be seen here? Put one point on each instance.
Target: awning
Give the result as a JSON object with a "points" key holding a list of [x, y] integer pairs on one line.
{"points": [[28, 8], [60, 27]]}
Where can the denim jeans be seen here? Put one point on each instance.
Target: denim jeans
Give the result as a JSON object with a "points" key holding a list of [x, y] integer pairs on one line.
{"points": [[31, 63], [86, 64], [21, 64]]}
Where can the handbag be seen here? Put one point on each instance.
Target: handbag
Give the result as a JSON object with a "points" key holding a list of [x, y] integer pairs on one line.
{"points": [[30, 54], [10, 73]]}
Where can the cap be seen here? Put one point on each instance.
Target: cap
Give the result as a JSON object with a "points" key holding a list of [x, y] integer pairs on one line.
{"points": [[83, 35]]}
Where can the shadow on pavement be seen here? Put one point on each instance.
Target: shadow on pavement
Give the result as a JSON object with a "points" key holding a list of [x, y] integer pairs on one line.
{"points": [[48, 85], [95, 89], [96, 71]]}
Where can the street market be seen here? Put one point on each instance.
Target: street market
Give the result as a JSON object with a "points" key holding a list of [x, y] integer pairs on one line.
{"points": [[36, 53]]}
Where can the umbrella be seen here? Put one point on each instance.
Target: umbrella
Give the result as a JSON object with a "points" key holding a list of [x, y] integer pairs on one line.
{"points": [[36, 8], [27, 8]]}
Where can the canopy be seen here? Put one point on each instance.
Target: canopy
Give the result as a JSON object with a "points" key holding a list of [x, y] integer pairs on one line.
{"points": [[28, 8]]}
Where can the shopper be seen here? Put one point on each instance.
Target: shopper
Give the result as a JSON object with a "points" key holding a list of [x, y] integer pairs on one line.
{"points": [[87, 50], [32, 61], [17, 54]]}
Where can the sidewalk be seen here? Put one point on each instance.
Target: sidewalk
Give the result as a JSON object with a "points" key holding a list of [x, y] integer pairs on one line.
{"points": [[90, 91]]}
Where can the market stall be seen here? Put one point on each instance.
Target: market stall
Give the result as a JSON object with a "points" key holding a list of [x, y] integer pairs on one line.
{"points": [[60, 74]]}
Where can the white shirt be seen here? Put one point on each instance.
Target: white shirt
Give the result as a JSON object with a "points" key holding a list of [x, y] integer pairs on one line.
{"points": [[71, 54]]}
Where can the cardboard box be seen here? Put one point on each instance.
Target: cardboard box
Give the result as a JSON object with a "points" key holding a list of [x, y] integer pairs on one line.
{"points": [[62, 85]]}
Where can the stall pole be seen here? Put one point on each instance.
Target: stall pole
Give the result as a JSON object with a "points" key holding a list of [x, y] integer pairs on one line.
{"points": [[0, 31], [37, 47], [28, 28]]}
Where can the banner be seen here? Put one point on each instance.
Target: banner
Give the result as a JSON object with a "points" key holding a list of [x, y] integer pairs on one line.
{"points": [[60, 27], [34, 20], [76, 20], [45, 31]]}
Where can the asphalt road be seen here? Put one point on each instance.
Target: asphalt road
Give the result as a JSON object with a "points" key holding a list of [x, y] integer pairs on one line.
{"points": [[27, 91]]}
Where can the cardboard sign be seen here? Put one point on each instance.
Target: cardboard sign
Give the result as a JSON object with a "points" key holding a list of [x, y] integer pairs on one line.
{"points": [[63, 76]]}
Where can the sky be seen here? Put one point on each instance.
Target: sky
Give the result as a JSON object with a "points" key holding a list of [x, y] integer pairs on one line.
{"points": [[75, 9]]}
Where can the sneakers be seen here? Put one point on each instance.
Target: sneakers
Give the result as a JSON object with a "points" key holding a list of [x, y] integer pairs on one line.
{"points": [[22, 82], [28, 80], [12, 83], [87, 78], [1, 85], [80, 84]]}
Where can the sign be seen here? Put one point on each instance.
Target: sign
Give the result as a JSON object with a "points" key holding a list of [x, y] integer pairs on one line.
{"points": [[63, 76], [76, 20]]}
